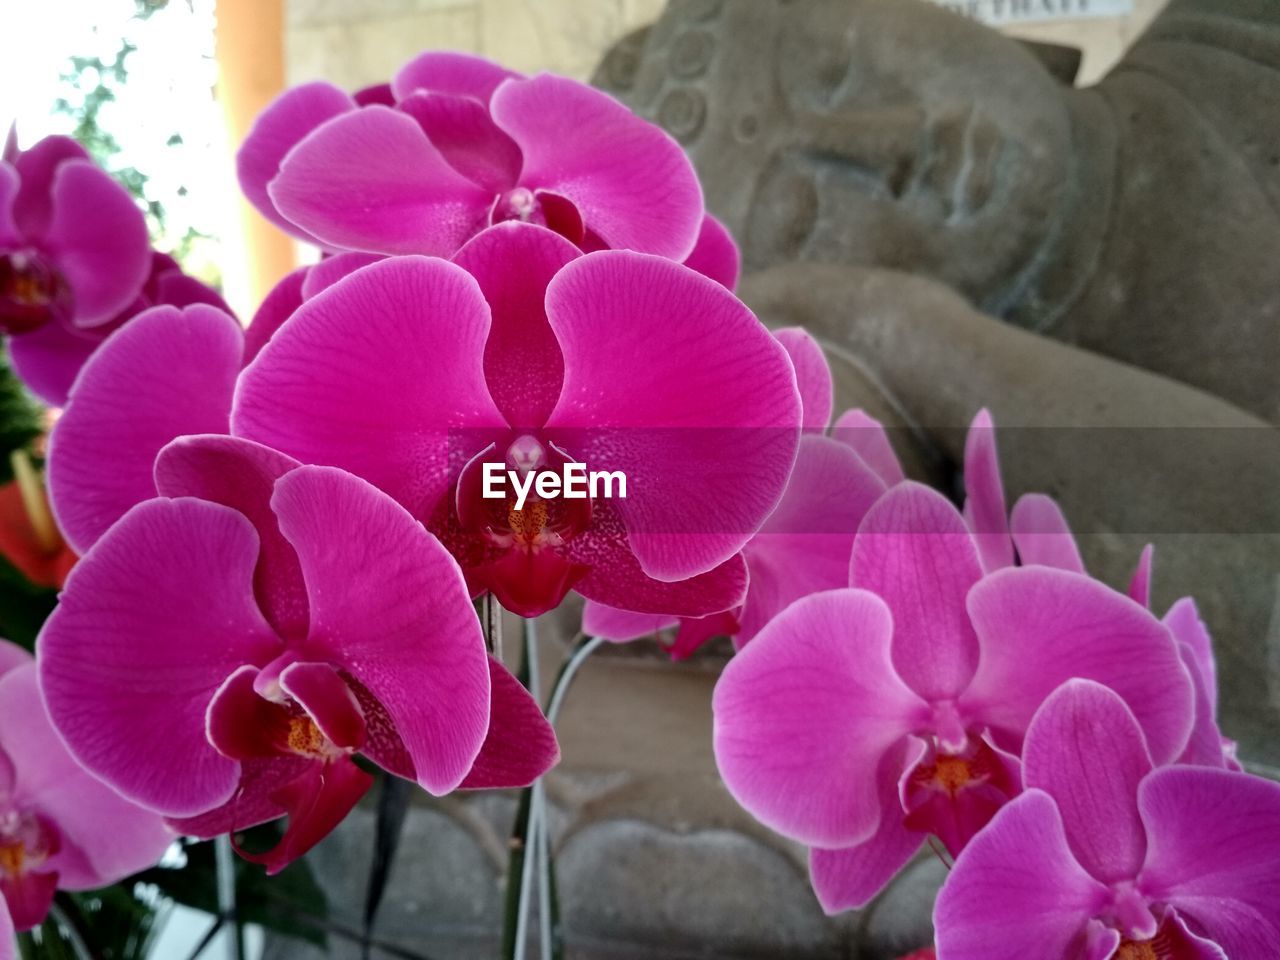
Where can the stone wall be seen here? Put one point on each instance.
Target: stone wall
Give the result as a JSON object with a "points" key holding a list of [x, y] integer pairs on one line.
{"points": [[354, 44]]}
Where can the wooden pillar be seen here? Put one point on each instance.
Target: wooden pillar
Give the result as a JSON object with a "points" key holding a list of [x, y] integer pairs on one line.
{"points": [[249, 46]]}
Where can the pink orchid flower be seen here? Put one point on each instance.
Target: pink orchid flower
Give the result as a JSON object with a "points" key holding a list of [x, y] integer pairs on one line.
{"points": [[49, 358], [859, 721], [457, 143], [224, 650], [73, 246], [803, 546], [1107, 856], [1036, 533], [524, 352], [59, 827]]}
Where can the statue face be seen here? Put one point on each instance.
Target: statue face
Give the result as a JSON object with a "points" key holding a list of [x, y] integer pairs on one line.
{"points": [[879, 132]]}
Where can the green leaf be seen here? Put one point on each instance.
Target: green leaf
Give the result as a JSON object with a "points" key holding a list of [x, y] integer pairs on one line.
{"points": [[281, 903]]}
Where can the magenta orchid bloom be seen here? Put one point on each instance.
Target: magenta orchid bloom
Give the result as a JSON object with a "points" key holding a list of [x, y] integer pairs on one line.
{"points": [[1107, 856], [526, 353], [803, 546], [165, 374], [59, 827], [1037, 532], [73, 246], [49, 358], [861, 720], [463, 144], [288, 617]]}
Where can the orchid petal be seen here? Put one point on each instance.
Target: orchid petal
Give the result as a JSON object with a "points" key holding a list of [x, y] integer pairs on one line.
{"points": [[1016, 891], [9, 185], [1085, 749], [805, 544], [850, 877], [375, 93], [804, 714], [984, 506], [621, 626], [520, 745], [1213, 854], [914, 550], [241, 724], [461, 129], [48, 358], [330, 270], [694, 632], [277, 130], [614, 576], [371, 180], [513, 263], [403, 341], [715, 254], [241, 474], [278, 306], [27, 896], [460, 74], [6, 932], [12, 656], [1041, 535], [99, 240], [316, 803], [111, 837], [1140, 585], [179, 290], [252, 803], [631, 181], [1205, 748], [869, 441], [813, 377], [170, 586], [164, 374], [1039, 627], [670, 379], [389, 606], [33, 207]]}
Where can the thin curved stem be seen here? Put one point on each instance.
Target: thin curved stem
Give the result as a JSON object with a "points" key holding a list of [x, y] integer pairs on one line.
{"points": [[530, 838], [536, 801], [64, 912], [225, 874], [583, 649]]}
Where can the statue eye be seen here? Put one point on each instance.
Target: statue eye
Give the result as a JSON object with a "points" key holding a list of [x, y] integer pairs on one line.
{"points": [[784, 213], [813, 69]]}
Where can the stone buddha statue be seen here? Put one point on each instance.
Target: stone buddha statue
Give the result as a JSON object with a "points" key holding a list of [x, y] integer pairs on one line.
{"points": [[1139, 218], [962, 227]]}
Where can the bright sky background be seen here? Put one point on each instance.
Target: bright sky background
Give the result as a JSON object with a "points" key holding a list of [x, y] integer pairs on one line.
{"points": [[170, 89]]}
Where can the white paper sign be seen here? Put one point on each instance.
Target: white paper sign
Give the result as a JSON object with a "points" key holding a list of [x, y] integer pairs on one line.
{"points": [[1001, 12]]}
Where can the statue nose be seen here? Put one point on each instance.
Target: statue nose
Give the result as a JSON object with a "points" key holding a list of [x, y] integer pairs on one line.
{"points": [[951, 155]]}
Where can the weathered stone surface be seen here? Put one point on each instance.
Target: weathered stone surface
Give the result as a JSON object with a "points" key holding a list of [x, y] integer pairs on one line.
{"points": [[633, 888], [1138, 218]]}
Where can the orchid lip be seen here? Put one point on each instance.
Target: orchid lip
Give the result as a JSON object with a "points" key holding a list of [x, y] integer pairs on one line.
{"points": [[32, 291]]}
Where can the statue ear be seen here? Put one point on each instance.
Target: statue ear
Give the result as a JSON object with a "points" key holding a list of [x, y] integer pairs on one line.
{"points": [[1060, 60], [616, 73]]}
